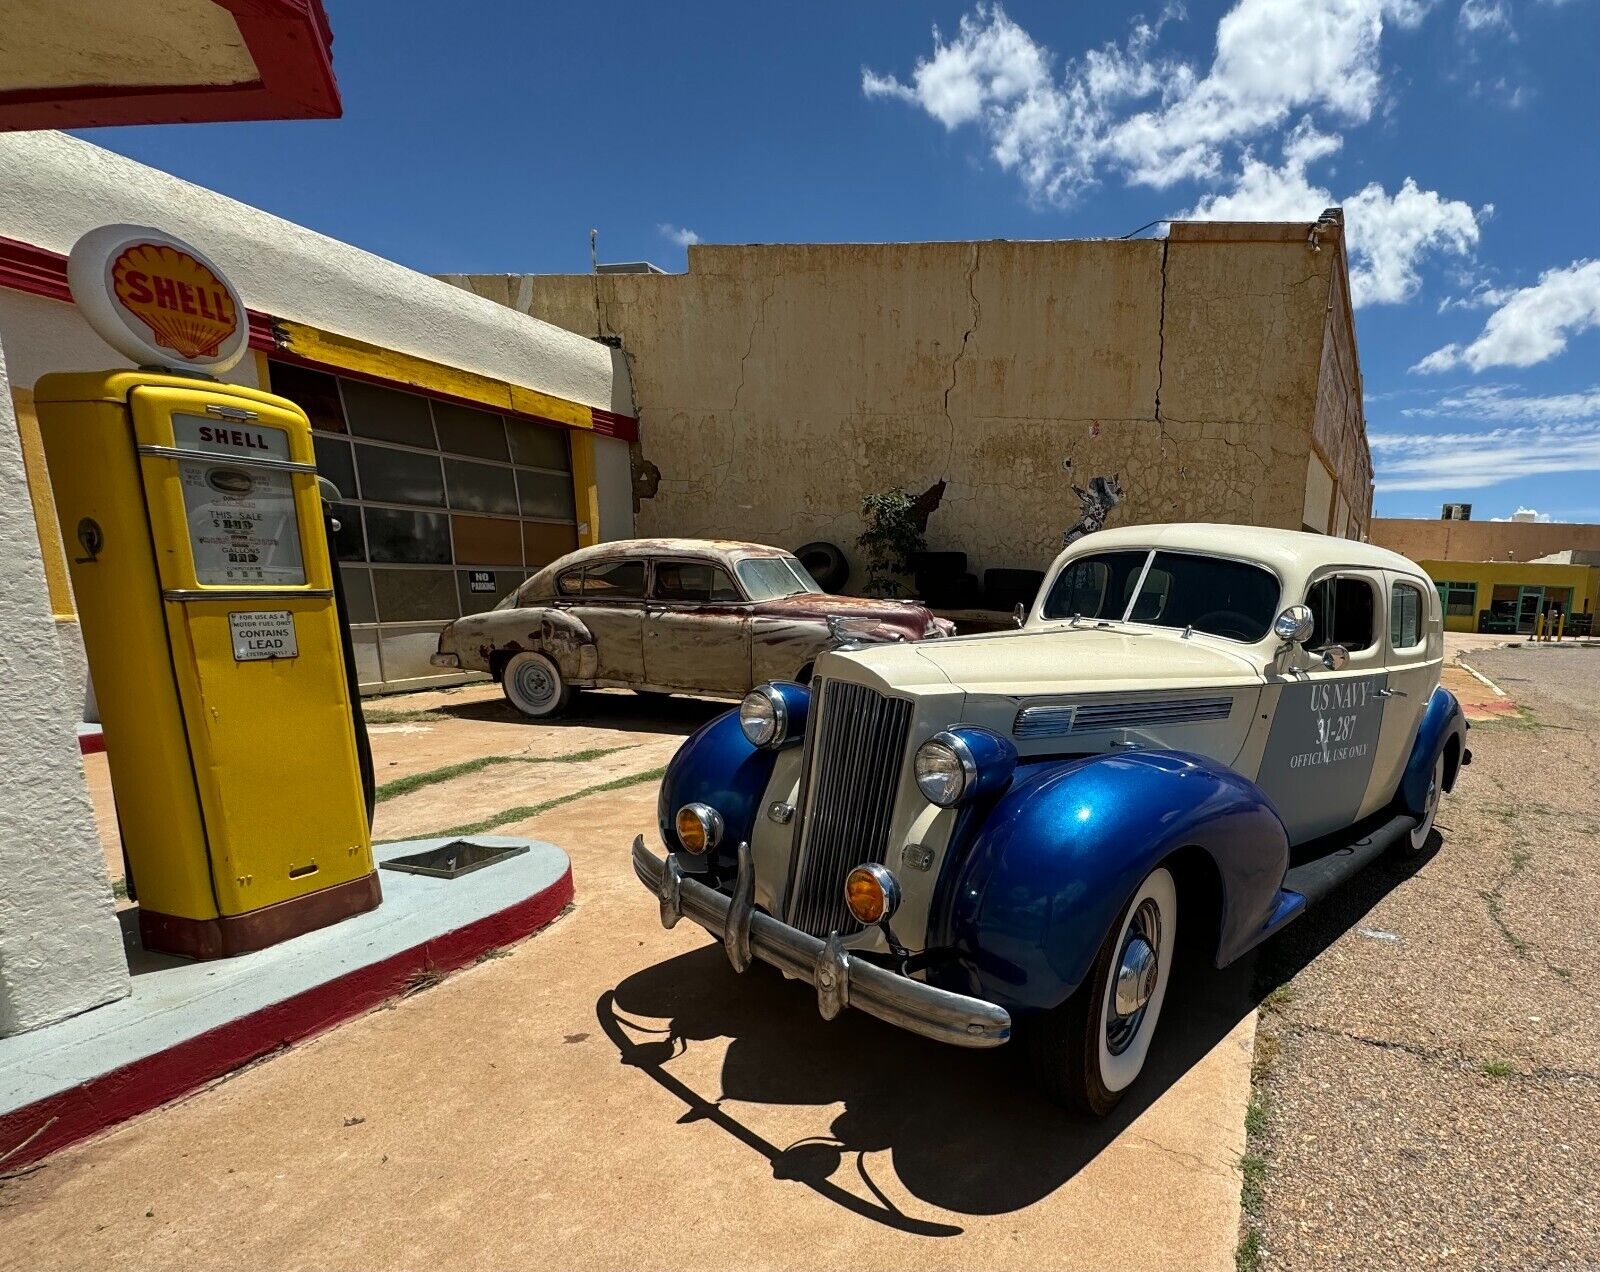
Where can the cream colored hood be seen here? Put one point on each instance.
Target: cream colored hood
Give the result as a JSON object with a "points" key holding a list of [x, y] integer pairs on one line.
{"points": [[1063, 659]]}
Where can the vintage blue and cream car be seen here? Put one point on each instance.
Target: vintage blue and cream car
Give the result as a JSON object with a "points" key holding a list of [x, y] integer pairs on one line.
{"points": [[1196, 731]]}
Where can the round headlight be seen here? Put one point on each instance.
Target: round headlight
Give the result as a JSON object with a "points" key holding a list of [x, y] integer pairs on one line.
{"points": [[699, 828], [872, 893], [763, 717], [944, 769]]}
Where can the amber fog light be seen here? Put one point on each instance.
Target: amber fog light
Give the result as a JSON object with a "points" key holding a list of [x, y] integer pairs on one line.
{"points": [[872, 893], [699, 828]]}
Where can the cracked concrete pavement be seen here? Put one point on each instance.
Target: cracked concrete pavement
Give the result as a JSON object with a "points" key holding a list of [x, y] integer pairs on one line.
{"points": [[1432, 1072]]}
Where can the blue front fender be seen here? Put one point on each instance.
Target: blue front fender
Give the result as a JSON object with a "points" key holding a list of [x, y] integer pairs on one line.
{"points": [[1441, 721], [1035, 883], [719, 767]]}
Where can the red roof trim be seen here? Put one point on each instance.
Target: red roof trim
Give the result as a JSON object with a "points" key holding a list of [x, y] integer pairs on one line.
{"points": [[41, 272], [290, 42]]}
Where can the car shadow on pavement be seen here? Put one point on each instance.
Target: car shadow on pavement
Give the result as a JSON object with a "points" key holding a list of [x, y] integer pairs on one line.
{"points": [[623, 710], [965, 1130]]}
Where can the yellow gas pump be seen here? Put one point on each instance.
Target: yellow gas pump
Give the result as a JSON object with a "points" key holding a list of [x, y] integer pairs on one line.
{"points": [[205, 593]]}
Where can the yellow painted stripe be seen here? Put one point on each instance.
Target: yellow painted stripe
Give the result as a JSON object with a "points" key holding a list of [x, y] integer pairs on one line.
{"points": [[345, 354], [585, 489], [44, 508]]}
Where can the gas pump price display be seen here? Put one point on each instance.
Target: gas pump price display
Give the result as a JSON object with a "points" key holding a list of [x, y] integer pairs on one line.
{"points": [[242, 524]]}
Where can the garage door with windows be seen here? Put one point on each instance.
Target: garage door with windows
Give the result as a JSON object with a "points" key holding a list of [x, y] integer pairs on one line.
{"points": [[444, 509]]}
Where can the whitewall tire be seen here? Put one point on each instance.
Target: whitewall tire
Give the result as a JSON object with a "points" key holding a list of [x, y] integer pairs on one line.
{"points": [[1090, 1050], [1417, 838], [534, 686]]}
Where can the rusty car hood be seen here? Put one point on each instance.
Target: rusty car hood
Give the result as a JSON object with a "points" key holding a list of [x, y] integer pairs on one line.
{"points": [[819, 606]]}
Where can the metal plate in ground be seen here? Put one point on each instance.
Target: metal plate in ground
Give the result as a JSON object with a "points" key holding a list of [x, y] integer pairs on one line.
{"points": [[454, 859]]}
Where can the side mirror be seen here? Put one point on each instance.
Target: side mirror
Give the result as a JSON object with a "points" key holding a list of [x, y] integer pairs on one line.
{"points": [[1295, 624], [1019, 615], [1335, 657]]}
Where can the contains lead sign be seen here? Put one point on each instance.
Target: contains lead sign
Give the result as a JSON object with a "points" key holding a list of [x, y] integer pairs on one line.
{"points": [[262, 634]]}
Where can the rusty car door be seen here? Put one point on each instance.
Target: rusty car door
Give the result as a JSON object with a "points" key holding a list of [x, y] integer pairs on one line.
{"points": [[696, 629], [609, 599]]}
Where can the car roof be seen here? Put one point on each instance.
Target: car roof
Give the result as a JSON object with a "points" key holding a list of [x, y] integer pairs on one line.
{"points": [[1290, 552], [725, 551]]}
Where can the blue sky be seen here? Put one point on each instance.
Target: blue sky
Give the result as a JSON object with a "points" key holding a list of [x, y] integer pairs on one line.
{"points": [[1462, 137]]}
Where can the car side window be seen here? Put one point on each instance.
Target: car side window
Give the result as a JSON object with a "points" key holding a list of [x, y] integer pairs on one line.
{"points": [[570, 583], [693, 581], [1405, 616], [1345, 612], [613, 581]]}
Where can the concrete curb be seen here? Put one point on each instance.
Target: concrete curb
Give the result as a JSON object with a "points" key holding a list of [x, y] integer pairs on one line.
{"points": [[36, 1130]]}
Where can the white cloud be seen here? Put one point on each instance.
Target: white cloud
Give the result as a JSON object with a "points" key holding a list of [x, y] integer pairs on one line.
{"points": [[1483, 15], [1532, 324], [681, 235], [1504, 404], [1154, 120], [1389, 234], [1524, 513], [1463, 460], [1272, 59]]}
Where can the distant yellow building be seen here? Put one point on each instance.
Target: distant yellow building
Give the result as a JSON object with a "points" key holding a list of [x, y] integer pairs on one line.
{"points": [[1509, 596]]}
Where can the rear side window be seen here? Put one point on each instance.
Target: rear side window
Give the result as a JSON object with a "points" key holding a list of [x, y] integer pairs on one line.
{"points": [[1405, 616], [614, 581], [1345, 613]]}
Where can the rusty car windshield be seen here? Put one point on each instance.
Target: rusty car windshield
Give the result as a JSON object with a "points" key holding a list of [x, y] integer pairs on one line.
{"points": [[771, 578]]}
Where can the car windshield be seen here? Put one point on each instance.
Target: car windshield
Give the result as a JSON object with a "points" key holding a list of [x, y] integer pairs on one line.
{"points": [[769, 578], [1232, 599]]}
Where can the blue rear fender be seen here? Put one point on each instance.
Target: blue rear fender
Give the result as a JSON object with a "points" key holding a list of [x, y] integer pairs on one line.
{"points": [[1032, 886], [1442, 720]]}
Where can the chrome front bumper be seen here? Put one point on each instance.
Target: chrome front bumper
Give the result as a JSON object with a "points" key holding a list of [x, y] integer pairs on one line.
{"points": [[841, 979]]}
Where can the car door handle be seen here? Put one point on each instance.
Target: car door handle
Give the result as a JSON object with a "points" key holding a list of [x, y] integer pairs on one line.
{"points": [[1393, 693]]}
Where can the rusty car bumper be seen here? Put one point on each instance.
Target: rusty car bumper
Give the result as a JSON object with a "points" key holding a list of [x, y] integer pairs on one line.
{"points": [[841, 979]]}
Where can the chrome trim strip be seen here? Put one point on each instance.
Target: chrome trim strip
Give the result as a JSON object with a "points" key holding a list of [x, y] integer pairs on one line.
{"points": [[1093, 717], [184, 594], [246, 461], [850, 980]]}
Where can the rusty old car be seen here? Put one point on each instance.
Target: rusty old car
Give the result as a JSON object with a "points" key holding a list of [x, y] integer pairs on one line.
{"points": [[695, 616]]}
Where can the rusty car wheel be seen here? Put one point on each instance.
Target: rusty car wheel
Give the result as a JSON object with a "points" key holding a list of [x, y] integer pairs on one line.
{"points": [[533, 685]]}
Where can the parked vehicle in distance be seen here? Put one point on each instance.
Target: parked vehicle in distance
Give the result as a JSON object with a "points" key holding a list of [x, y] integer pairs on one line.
{"points": [[694, 616], [1198, 730]]}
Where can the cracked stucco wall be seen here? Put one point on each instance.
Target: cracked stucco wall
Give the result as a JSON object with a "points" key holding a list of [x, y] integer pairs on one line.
{"points": [[777, 384], [60, 945]]}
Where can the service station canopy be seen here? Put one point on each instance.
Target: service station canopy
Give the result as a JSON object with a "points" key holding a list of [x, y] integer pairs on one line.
{"points": [[90, 63]]}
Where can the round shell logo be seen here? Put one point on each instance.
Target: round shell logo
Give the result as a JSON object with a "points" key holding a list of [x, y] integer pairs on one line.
{"points": [[157, 300], [186, 307]]}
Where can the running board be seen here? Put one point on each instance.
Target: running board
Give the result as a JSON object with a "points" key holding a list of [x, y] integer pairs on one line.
{"points": [[1315, 878]]}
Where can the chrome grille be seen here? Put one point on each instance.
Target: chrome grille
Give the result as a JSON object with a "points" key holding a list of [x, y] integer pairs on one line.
{"points": [[854, 750]]}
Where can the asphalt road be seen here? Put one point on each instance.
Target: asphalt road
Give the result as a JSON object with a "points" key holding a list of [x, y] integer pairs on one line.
{"points": [[1428, 1079]]}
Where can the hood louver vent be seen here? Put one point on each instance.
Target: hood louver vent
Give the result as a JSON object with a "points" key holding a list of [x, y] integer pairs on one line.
{"points": [[1059, 719]]}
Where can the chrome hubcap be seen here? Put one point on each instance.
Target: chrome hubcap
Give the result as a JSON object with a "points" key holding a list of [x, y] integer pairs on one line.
{"points": [[1138, 969]]}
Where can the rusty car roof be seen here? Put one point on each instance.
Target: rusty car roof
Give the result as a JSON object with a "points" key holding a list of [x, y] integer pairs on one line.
{"points": [[725, 551]]}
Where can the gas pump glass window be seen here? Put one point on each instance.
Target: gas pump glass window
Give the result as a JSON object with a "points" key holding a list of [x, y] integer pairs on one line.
{"points": [[242, 524]]}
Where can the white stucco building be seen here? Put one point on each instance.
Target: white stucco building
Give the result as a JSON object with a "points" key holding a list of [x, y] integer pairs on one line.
{"points": [[471, 444]]}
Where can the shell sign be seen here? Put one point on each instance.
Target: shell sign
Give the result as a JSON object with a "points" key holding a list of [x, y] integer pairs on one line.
{"points": [[157, 300]]}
